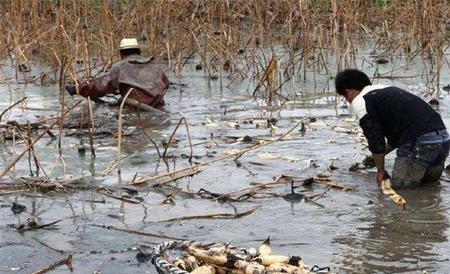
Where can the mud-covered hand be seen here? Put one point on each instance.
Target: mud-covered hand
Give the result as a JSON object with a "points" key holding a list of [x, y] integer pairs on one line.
{"points": [[382, 175], [71, 89]]}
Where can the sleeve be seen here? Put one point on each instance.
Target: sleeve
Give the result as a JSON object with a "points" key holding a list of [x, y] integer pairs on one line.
{"points": [[374, 133], [105, 84]]}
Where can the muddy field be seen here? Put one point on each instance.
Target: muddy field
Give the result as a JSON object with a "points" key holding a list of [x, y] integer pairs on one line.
{"points": [[355, 231]]}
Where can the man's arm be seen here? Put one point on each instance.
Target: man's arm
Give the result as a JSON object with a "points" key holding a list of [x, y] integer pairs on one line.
{"points": [[379, 160], [381, 171], [105, 84], [377, 145]]}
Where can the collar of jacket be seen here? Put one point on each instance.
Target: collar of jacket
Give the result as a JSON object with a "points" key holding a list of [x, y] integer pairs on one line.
{"points": [[358, 105], [137, 59]]}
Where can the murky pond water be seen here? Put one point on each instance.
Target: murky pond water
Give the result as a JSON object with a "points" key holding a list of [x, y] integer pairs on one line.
{"points": [[359, 231]]}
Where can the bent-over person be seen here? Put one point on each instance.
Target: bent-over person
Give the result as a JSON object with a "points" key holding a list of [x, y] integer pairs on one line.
{"points": [[392, 118], [147, 79]]}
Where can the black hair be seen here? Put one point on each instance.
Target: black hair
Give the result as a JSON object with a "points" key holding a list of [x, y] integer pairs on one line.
{"points": [[351, 79], [126, 52]]}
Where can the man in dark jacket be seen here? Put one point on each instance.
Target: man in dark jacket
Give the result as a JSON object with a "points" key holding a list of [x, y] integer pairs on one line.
{"points": [[148, 82], [408, 124]]}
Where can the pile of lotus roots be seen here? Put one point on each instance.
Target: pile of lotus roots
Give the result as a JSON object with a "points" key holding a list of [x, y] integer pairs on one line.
{"points": [[192, 257]]}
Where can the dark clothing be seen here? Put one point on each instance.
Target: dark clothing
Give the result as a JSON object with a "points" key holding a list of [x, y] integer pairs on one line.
{"points": [[409, 124], [421, 163], [396, 115], [134, 71]]}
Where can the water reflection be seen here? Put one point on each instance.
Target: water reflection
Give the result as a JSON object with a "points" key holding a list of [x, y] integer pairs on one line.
{"points": [[147, 128], [396, 242]]}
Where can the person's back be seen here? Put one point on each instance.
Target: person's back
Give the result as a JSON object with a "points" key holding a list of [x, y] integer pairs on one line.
{"points": [[403, 116], [148, 78]]}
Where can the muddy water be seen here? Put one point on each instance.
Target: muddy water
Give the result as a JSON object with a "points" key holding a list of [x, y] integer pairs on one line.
{"points": [[360, 231]]}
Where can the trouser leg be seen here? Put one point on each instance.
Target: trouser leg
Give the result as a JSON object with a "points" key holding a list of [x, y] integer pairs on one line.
{"points": [[407, 172], [424, 166], [433, 174]]}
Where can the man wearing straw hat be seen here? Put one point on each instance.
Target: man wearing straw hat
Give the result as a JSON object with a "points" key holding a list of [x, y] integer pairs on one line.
{"points": [[392, 118], [145, 81]]}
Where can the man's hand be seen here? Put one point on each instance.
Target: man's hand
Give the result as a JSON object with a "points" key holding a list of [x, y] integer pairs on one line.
{"points": [[71, 89], [381, 175], [379, 162]]}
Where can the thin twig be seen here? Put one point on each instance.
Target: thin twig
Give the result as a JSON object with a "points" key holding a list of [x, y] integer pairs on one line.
{"points": [[123, 199], [48, 246], [210, 216], [191, 173], [151, 140], [236, 154], [119, 132], [91, 127], [11, 106], [182, 119], [66, 261], [31, 150], [38, 226], [147, 135], [190, 141], [139, 232], [13, 162]]}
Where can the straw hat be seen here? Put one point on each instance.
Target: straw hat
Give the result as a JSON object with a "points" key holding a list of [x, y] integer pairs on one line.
{"points": [[128, 43]]}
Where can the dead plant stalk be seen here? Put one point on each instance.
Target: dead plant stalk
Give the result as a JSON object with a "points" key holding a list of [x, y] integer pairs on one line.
{"points": [[31, 144], [235, 155]]}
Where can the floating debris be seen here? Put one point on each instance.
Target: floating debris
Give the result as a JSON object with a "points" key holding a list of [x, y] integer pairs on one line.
{"points": [[318, 124], [247, 139], [18, 208], [270, 156], [345, 130], [233, 125], [232, 152], [130, 190], [289, 158], [369, 162], [302, 128], [308, 182], [311, 163], [271, 121], [293, 196], [267, 155], [24, 68], [381, 60], [210, 123], [81, 150], [355, 167], [332, 166], [143, 257]]}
